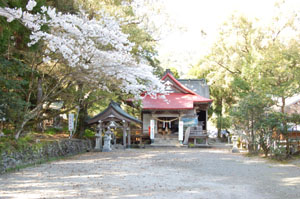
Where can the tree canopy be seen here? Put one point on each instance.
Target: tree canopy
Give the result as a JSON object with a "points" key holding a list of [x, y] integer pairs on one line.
{"points": [[76, 49], [252, 68]]}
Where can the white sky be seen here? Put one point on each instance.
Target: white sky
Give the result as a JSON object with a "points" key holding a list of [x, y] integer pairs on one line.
{"points": [[182, 48]]}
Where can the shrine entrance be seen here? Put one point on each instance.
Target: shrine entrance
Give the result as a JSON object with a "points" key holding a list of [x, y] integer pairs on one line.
{"points": [[167, 126]]}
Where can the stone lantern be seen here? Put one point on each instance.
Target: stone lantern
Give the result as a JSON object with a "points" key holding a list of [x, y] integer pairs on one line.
{"points": [[234, 142], [98, 135], [107, 139]]}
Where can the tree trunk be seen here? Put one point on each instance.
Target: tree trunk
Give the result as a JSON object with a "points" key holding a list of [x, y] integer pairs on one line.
{"points": [[82, 117], [20, 129], [219, 133], [264, 144], [40, 126], [82, 114], [251, 138], [285, 131], [27, 117], [220, 104], [254, 148]]}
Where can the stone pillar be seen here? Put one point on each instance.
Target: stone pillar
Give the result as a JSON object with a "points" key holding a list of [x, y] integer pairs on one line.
{"points": [[129, 137], [98, 135], [124, 133]]}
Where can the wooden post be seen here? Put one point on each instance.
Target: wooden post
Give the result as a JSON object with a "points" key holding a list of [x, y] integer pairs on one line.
{"points": [[124, 133], [129, 137], [205, 121], [141, 139]]}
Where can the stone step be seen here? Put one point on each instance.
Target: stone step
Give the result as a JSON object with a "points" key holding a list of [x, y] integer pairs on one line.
{"points": [[172, 136], [166, 142], [167, 145]]}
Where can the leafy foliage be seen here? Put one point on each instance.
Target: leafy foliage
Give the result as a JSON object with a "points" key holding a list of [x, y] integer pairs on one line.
{"points": [[74, 56], [13, 86], [252, 69]]}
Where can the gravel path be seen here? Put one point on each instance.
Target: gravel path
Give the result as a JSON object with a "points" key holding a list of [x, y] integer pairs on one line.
{"points": [[155, 173]]}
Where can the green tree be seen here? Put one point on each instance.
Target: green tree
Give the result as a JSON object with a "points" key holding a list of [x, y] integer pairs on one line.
{"points": [[250, 59], [267, 128], [46, 84], [248, 113]]}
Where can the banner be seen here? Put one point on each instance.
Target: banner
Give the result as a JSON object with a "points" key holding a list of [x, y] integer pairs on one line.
{"points": [[71, 122], [190, 121], [180, 133], [152, 123]]}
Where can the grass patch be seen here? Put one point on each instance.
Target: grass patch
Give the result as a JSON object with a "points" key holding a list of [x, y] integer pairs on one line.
{"points": [[191, 145], [274, 159], [52, 131], [252, 154]]}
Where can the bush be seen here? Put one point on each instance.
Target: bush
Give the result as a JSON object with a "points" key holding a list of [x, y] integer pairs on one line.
{"points": [[4, 143], [65, 129], [52, 131], [279, 153], [10, 144], [191, 145], [89, 133], [7, 131], [200, 141]]}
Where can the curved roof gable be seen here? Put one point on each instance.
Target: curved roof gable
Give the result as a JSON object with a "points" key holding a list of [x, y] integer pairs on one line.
{"points": [[177, 84], [113, 111]]}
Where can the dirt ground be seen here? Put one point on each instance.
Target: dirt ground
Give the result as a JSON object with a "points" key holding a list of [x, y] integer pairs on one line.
{"points": [[155, 173]]}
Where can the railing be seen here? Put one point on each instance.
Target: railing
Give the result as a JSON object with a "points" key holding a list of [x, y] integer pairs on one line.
{"points": [[198, 131]]}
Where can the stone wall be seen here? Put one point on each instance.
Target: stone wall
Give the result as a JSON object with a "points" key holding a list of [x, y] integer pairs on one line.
{"points": [[43, 152]]}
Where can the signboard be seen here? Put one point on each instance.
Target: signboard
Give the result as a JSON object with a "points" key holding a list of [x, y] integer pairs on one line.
{"points": [[71, 122], [152, 123], [180, 133], [193, 121]]}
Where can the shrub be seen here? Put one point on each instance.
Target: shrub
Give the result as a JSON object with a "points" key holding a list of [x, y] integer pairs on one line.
{"points": [[89, 133], [279, 153], [7, 131], [52, 131], [191, 145]]}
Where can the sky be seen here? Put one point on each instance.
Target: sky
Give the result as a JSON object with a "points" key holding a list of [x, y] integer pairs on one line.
{"points": [[183, 44]]}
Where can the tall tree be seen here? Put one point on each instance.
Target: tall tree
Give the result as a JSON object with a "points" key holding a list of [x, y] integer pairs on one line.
{"points": [[252, 58], [80, 47]]}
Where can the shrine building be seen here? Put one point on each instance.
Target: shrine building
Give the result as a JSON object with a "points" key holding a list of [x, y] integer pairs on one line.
{"points": [[187, 101]]}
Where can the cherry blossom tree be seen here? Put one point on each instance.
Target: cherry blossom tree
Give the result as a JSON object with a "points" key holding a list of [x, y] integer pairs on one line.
{"points": [[94, 48]]}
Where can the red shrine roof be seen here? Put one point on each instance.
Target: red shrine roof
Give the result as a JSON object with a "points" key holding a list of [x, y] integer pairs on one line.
{"points": [[173, 101], [184, 99]]}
